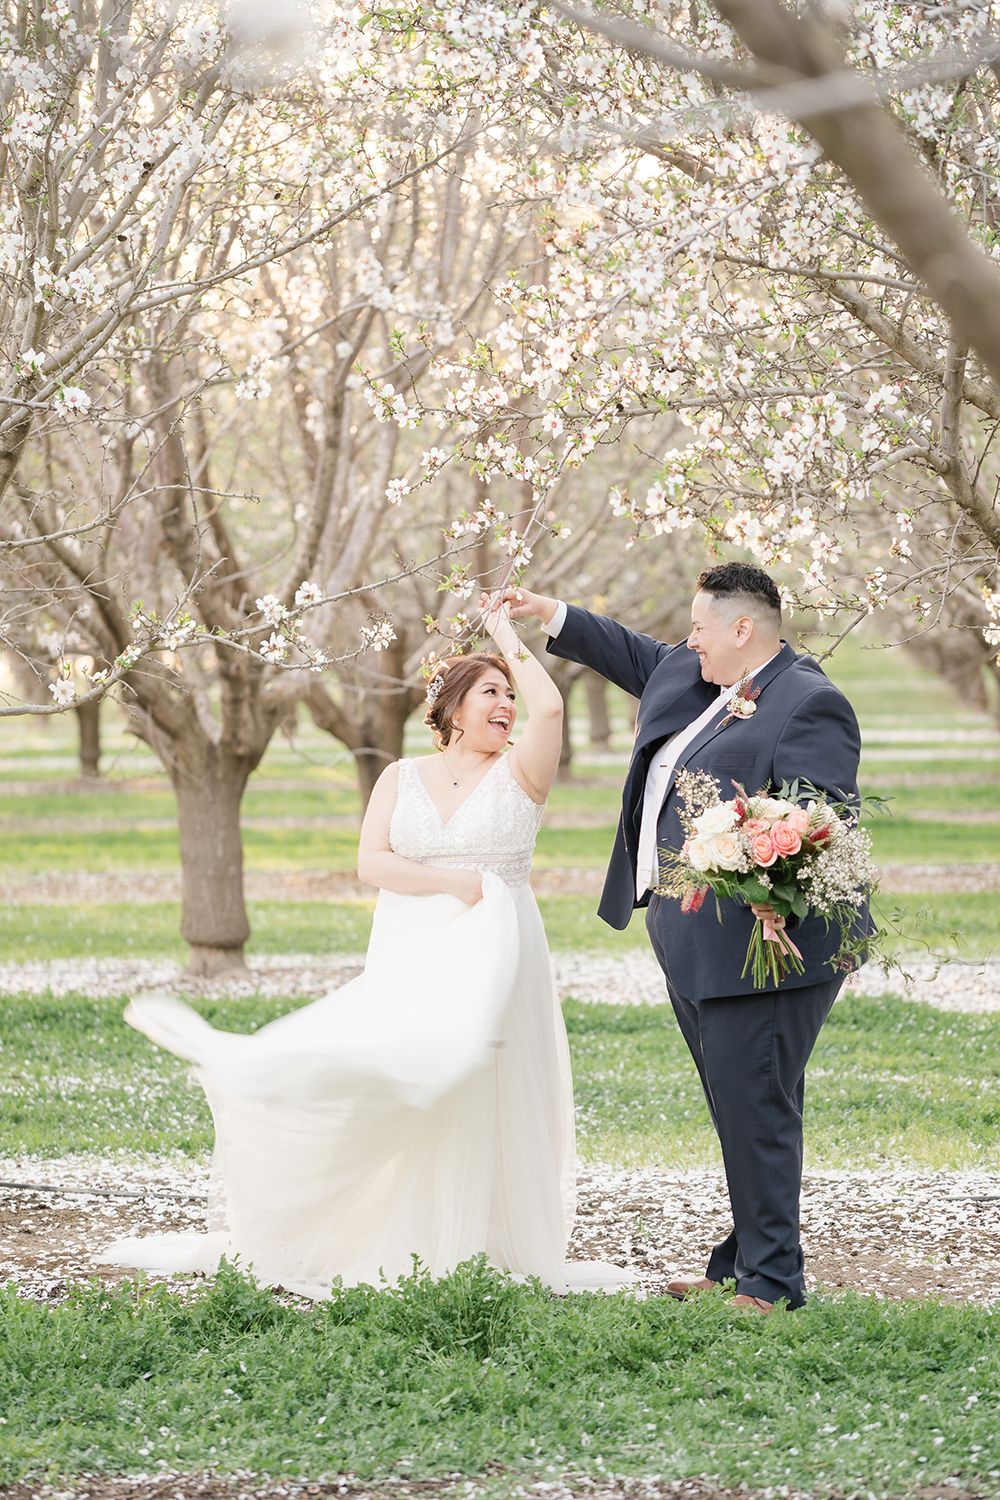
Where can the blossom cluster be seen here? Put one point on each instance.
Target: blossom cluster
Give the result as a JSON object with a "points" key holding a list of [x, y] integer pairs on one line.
{"points": [[722, 299]]}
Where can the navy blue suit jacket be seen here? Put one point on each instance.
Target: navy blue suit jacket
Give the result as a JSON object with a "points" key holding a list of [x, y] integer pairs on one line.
{"points": [[803, 727]]}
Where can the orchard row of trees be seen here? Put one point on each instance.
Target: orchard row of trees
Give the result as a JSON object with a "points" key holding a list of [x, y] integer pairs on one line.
{"points": [[294, 362]]}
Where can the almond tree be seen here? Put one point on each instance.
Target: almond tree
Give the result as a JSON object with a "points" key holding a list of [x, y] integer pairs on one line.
{"points": [[707, 260], [146, 188]]}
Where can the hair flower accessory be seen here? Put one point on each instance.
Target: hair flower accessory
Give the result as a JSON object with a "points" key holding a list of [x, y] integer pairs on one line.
{"points": [[742, 705], [434, 688]]}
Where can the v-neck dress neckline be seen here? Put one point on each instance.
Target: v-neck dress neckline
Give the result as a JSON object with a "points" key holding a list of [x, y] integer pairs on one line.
{"points": [[445, 822]]}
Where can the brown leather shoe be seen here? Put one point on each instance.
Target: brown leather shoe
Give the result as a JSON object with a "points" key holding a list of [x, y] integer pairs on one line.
{"points": [[683, 1289], [754, 1304]]}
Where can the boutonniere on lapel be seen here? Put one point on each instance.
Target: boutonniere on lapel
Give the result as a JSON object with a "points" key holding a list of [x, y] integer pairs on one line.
{"points": [[742, 705]]}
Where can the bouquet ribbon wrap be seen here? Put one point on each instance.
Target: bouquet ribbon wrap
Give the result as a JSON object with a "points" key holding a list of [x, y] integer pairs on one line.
{"points": [[778, 935]]}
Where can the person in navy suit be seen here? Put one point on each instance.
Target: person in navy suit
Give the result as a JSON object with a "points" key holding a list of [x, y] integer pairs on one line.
{"points": [[750, 1045]]}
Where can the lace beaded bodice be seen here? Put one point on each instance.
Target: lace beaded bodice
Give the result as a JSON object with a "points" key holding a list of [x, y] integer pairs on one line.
{"points": [[494, 829]]}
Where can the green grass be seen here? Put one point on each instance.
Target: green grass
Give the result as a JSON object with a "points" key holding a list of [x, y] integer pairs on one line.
{"points": [[572, 925], [896, 840], [127, 806], [118, 929], [153, 931], [901, 840], [583, 794], [889, 1078], [157, 849], [448, 1377], [981, 796], [77, 1079], [154, 848], [962, 926]]}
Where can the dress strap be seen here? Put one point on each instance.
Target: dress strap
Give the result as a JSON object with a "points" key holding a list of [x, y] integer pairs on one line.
{"points": [[538, 806]]}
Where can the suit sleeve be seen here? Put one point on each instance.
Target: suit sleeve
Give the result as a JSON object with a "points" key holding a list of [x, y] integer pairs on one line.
{"points": [[623, 656], [821, 743]]}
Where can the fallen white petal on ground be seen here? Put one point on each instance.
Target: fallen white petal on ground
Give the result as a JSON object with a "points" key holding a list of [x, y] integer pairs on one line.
{"points": [[636, 979], [630, 978], [627, 979], [494, 1482], [894, 1233], [293, 974]]}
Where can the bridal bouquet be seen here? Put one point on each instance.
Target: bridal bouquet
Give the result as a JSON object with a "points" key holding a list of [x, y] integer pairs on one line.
{"points": [[797, 858]]}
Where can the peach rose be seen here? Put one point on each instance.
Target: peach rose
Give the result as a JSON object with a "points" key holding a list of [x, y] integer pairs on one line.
{"points": [[755, 825], [762, 851], [699, 853], [798, 819], [786, 839]]}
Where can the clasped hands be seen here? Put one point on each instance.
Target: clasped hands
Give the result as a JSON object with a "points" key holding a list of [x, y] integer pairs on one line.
{"points": [[495, 613], [765, 912]]}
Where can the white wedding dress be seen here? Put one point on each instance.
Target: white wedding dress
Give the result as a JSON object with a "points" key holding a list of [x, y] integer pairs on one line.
{"points": [[424, 1109]]}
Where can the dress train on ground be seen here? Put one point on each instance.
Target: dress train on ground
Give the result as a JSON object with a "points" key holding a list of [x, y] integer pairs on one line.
{"points": [[422, 1110]]}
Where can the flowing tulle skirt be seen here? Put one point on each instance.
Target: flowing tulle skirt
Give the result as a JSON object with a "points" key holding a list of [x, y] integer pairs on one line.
{"points": [[423, 1110]]}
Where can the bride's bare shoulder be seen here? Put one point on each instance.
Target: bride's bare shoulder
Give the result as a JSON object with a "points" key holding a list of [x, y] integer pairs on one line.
{"points": [[385, 789]]}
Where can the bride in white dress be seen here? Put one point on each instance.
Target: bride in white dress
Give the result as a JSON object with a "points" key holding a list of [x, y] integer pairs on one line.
{"points": [[425, 1109]]}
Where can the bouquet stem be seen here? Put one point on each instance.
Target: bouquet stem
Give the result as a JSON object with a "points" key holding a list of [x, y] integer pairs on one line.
{"points": [[771, 955]]}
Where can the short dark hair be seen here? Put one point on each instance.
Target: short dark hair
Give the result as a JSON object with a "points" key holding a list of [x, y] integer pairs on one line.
{"points": [[739, 582]]}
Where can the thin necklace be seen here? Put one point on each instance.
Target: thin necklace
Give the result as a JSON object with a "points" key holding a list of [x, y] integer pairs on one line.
{"points": [[464, 775]]}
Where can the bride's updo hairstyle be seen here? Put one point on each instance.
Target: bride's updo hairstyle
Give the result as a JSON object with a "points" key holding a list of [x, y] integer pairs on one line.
{"points": [[448, 685]]}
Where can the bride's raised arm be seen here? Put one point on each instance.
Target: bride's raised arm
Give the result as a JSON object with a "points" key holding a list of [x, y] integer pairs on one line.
{"points": [[534, 760]]}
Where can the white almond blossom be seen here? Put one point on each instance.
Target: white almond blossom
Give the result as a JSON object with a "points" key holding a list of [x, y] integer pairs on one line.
{"points": [[379, 636], [272, 609], [274, 649], [63, 691], [305, 595]]}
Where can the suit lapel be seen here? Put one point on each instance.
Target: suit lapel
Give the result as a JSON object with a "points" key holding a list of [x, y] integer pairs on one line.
{"points": [[670, 717], [777, 665]]}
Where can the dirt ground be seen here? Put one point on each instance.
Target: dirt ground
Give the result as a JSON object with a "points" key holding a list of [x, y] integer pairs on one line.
{"points": [[895, 1234], [241, 1486]]}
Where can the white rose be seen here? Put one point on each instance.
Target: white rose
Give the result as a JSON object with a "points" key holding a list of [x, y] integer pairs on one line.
{"points": [[726, 852], [699, 852], [717, 819], [773, 808]]}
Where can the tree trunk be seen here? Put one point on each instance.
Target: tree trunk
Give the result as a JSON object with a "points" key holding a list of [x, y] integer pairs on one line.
{"points": [[959, 658], [371, 761], [564, 674], [213, 914], [372, 720], [597, 708], [89, 719]]}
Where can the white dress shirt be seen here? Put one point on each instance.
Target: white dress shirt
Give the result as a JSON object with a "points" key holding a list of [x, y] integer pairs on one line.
{"points": [[660, 768]]}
